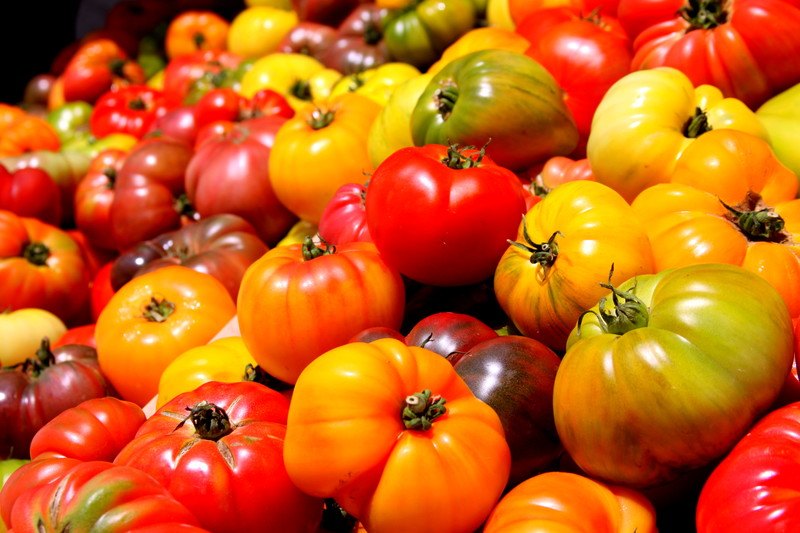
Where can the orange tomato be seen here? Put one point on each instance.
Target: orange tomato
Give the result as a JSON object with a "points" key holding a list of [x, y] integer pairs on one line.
{"points": [[563, 501], [195, 30], [21, 132], [396, 437], [153, 319], [481, 39], [320, 149], [689, 226]]}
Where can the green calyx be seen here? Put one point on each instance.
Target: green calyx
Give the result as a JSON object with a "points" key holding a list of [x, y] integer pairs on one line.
{"points": [[704, 14], [697, 124], [312, 250], [158, 310], [421, 409], [210, 421], [457, 159], [757, 223], [445, 98], [629, 311], [36, 253], [545, 253]]}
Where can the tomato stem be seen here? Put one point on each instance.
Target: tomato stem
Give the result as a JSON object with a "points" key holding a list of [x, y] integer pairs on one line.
{"points": [[544, 254], [629, 311], [757, 224], [312, 250], [456, 159], [137, 104], [704, 14], [198, 39], [697, 124], [446, 97], [44, 357], [210, 421], [36, 253], [421, 409], [158, 310], [320, 118], [111, 174], [257, 374], [301, 90]]}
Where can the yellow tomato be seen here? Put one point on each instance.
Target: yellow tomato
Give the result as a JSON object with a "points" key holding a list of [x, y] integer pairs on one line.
{"points": [[298, 233], [376, 83], [22, 331], [256, 31], [781, 117], [280, 4], [498, 15], [298, 77], [223, 360], [481, 39]]}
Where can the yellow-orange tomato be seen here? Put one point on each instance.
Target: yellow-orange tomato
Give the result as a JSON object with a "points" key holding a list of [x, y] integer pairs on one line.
{"points": [[566, 502], [481, 39], [396, 437], [153, 319], [567, 245], [688, 226], [257, 30], [300, 300], [196, 30], [22, 332], [320, 149]]}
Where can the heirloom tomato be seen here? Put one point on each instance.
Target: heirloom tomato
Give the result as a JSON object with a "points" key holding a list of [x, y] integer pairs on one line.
{"points": [[101, 290], [182, 72], [754, 488], [193, 30], [358, 44], [306, 165], [781, 116], [22, 132], [427, 211], [377, 83], [30, 192], [131, 110], [48, 382], [154, 318], [41, 266], [677, 366], [449, 334], [94, 430], [330, 12], [340, 289], [219, 451], [563, 501], [70, 120], [566, 243], [230, 174], [559, 170], [62, 494], [480, 38], [257, 31], [8, 467], [310, 38], [22, 332], [691, 226], [648, 118], [344, 218], [499, 97], [97, 66], [723, 43], [94, 197], [77, 335], [374, 424]]}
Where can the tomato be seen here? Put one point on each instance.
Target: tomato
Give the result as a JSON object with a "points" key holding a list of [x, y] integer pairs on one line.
{"points": [[344, 218], [22, 132], [306, 166], [449, 334], [33, 392], [427, 209], [358, 43], [8, 467], [586, 54], [371, 424], [514, 375], [101, 291], [563, 501], [559, 170], [298, 77], [41, 266], [567, 242], [78, 335], [154, 318], [307, 37], [377, 83], [723, 44], [256, 31], [22, 331], [94, 430], [499, 97], [331, 12], [481, 38], [343, 289], [30, 192], [178, 123], [780, 115], [70, 120], [753, 487], [94, 197], [647, 119], [97, 66], [218, 104], [228, 449], [83, 495], [182, 72], [149, 192], [230, 173], [677, 366], [131, 110], [195, 30]]}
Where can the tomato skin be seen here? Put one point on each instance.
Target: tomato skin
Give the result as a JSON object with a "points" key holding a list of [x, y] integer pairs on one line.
{"points": [[130, 324], [449, 334], [753, 487], [94, 430], [78, 335], [94, 196], [716, 337], [96, 67], [181, 72], [242, 472], [22, 331], [101, 291], [344, 218], [194, 30], [346, 407], [358, 42], [31, 192], [131, 110], [428, 220], [345, 290]]}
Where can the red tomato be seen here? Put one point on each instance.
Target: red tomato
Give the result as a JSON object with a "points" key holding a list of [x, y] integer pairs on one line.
{"points": [[218, 104], [219, 450], [77, 335], [131, 110], [182, 71], [101, 291], [97, 66], [449, 334], [428, 212], [344, 218], [95, 195], [31, 192]]}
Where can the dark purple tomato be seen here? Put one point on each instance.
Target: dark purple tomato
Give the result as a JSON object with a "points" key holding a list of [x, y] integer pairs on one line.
{"points": [[449, 334]]}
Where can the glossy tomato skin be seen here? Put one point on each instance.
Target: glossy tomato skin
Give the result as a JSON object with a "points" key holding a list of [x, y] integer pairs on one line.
{"points": [[131, 110], [344, 218], [31, 192], [755, 486], [242, 471], [429, 220], [94, 430], [358, 43], [449, 334], [715, 337], [515, 375], [97, 66], [94, 196]]}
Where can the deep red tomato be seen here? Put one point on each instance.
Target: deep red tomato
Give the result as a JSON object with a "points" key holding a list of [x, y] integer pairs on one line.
{"points": [[755, 486], [78, 335], [97, 66], [428, 209], [344, 218], [449, 334], [586, 54], [358, 44], [95, 195], [131, 110], [178, 123], [218, 104], [94, 430], [101, 291], [31, 192], [219, 451], [181, 72]]}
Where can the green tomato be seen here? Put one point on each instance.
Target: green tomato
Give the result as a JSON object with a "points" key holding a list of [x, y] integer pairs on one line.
{"points": [[669, 371], [499, 97], [419, 32], [781, 117], [70, 119]]}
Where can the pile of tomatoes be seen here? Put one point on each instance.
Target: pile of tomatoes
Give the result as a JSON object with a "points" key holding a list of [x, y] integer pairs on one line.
{"points": [[405, 265]]}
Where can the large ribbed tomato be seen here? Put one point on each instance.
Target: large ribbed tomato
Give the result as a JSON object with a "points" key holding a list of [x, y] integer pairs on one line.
{"points": [[300, 300]]}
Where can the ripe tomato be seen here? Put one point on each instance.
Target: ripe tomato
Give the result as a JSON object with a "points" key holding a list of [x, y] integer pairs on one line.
{"points": [[95, 195], [195, 30], [427, 212]]}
